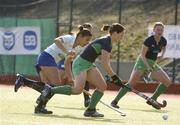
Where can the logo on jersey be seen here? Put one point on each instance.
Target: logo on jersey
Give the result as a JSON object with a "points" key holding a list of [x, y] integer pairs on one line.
{"points": [[157, 49], [8, 40], [30, 40]]}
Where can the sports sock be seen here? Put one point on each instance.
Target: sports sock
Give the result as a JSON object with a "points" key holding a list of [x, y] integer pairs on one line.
{"points": [[41, 104], [86, 87], [66, 89], [121, 93], [96, 96], [36, 85], [47, 100], [159, 90]]}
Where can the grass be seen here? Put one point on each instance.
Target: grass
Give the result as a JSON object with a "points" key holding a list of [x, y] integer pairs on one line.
{"points": [[17, 109]]}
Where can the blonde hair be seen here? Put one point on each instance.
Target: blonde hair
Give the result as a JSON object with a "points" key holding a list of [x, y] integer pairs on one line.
{"points": [[158, 24]]}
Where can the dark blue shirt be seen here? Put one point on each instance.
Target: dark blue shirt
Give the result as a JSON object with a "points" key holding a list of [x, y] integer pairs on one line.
{"points": [[93, 49], [154, 47]]}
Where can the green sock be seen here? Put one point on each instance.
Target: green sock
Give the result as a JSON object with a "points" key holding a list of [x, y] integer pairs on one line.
{"points": [[159, 90], [121, 93], [66, 89], [96, 96]]}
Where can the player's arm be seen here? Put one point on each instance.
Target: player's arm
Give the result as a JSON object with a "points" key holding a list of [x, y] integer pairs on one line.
{"points": [[105, 61], [59, 42], [163, 51]]}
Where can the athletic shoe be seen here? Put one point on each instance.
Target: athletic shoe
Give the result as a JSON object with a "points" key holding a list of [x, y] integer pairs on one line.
{"points": [[86, 102], [92, 113], [155, 105], [42, 110], [114, 104], [19, 82]]}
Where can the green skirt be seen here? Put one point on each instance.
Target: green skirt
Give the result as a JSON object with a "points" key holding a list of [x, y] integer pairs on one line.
{"points": [[139, 65], [80, 64]]}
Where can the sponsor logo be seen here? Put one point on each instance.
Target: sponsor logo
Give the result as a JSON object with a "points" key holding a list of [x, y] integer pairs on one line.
{"points": [[30, 40], [8, 40]]}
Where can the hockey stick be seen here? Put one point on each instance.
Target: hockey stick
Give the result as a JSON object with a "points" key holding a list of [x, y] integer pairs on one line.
{"points": [[153, 102]]}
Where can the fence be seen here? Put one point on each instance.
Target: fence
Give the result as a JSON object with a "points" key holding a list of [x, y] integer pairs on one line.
{"points": [[26, 15]]}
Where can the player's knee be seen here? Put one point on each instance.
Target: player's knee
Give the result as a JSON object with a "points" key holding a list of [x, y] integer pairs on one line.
{"points": [[168, 83], [103, 87]]}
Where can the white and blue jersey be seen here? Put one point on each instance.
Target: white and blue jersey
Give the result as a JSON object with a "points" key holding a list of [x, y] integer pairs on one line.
{"points": [[52, 55]]}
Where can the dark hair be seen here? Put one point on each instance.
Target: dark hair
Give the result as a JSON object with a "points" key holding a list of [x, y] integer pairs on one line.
{"points": [[84, 32], [87, 25], [115, 27], [158, 24]]}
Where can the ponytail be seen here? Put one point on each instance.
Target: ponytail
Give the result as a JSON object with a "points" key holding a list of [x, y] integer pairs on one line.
{"points": [[85, 30], [85, 26], [80, 27], [105, 27]]}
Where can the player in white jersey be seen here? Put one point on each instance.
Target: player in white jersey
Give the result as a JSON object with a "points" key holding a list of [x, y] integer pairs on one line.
{"points": [[47, 63], [48, 59], [62, 70]]}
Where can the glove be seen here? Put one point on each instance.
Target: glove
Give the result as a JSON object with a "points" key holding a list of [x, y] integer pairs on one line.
{"points": [[116, 80], [107, 78]]}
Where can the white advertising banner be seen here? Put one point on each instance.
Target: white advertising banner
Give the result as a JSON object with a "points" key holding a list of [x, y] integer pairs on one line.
{"points": [[20, 41], [172, 35]]}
